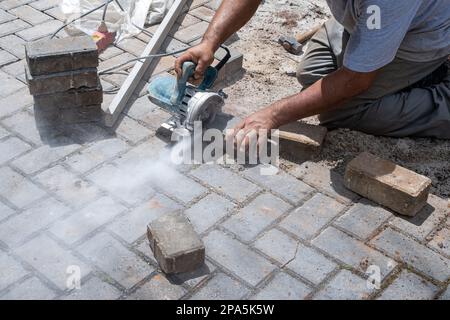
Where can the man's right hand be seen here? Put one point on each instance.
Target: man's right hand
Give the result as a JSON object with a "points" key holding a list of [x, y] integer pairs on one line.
{"points": [[202, 55]]}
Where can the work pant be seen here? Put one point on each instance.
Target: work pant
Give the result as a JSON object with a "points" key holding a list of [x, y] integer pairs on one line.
{"points": [[406, 99]]}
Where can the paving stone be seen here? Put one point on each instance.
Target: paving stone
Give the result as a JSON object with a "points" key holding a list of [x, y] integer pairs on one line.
{"points": [[283, 287], [164, 64], [409, 286], [213, 4], [10, 4], [24, 124], [445, 295], [388, 184], [132, 226], [284, 185], [5, 16], [203, 13], [110, 52], [208, 211], [121, 58], [30, 15], [226, 181], [53, 262], [133, 46], [91, 217], [9, 84], [18, 228], [30, 289], [15, 69], [13, 44], [312, 216], [277, 245], [256, 216], [10, 270], [413, 253], [237, 258], [44, 4], [45, 155], [145, 153], [221, 287], [40, 30], [352, 252], [59, 102], [15, 102], [6, 58], [5, 211], [94, 289], [68, 186], [158, 288], [192, 32], [187, 20], [11, 27], [345, 286], [172, 45], [11, 148], [441, 241], [18, 190], [3, 133], [116, 260], [194, 278], [132, 130], [363, 219]]}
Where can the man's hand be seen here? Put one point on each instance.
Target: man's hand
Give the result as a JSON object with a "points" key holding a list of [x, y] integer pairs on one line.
{"points": [[202, 55]]}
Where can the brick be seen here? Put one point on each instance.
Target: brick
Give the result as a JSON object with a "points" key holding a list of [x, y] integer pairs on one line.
{"points": [[132, 130], [5, 16], [5, 211], [6, 58], [282, 184], [277, 245], [133, 46], [226, 181], [132, 226], [388, 184], [203, 13], [117, 261], [9, 85], [409, 286], [30, 15], [445, 295], [40, 30], [77, 226], [63, 81], [413, 253], [164, 64], [283, 287], [186, 20], [94, 289], [171, 45], [363, 219], [13, 44], [44, 4], [11, 27], [15, 102], [23, 123], [15, 69], [150, 150], [312, 216], [10, 270], [192, 32], [208, 211], [10, 4], [30, 289], [70, 99], [256, 216], [142, 110], [110, 52], [345, 286], [221, 287], [238, 258], [17, 189], [11, 148], [352, 252], [3, 133], [441, 241], [121, 58], [158, 288], [213, 4]]}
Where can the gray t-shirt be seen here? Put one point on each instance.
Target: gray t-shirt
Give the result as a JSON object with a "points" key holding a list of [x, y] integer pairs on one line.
{"points": [[413, 30]]}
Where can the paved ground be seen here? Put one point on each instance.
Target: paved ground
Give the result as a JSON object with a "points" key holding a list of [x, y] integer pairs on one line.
{"points": [[66, 209]]}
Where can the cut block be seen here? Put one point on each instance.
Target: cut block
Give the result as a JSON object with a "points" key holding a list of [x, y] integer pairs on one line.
{"points": [[70, 99], [388, 184], [59, 55], [175, 244], [58, 116]]}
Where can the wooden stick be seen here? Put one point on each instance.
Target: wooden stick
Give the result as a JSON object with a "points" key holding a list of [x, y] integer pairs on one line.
{"points": [[303, 37]]}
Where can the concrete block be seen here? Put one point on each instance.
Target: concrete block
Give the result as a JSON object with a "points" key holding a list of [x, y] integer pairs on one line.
{"points": [[175, 244], [388, 184], [192, 32], [232, 67], [70, 99], [58, 55]]}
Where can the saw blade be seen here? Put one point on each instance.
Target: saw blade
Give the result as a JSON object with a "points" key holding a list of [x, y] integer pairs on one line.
{"points": [[203, 107]]}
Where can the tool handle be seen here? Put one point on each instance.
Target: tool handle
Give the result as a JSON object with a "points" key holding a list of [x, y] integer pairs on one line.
{"points": [[303, 37]]}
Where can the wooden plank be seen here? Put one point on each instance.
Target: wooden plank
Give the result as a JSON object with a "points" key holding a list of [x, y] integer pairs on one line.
{"points": [[141, 67]]}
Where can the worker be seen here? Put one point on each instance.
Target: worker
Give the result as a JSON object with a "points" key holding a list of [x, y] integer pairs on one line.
{"points": [[377, 66]]}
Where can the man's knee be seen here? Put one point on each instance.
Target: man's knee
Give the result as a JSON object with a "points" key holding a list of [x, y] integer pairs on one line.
{"points": [[306, 75]]}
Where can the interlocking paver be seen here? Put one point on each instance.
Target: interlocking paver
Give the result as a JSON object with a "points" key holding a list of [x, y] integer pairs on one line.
{"points": [[413, 253], [283, 287], [312, 216], [10, 4], [345, 286], [221, 287], [30, 289], [116, 260], [441, 241], [158, 288], [409, 286], [53, 262], [19, 227], [132, 130], [192, 32], [237, 257], [132, 45], [15, 102], [9, 84], [24, 124], [5, 211], [256, 216], [14, 45], [6, 58], [39, 31], [17, 190], [30, 14], [3, 133], [11, 148], [15, 69], [13, 26], [10, 270], [445, 295], [277, 245], [94, 289], [44, 4], [203, 13], [5, 16]]}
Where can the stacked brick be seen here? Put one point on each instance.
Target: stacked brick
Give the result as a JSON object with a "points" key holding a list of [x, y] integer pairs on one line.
{"points": [[62, 77]]}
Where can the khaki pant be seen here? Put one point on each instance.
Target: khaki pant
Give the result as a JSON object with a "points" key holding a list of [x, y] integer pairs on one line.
{"points": [[406, 99]]}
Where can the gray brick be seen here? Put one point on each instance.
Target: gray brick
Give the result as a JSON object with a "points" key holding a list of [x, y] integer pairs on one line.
{"points": [[214, 4], [18, 228], [5, 16], [187, 20], [13, 44], [409, 286], [9, 84], [345, 286], [12, 27], [158, 288], [116, 260], [3, 133], [171, 45], [51, 262], [413, 253], [10, 270], [30, 15], [118, 60], [15, 102], [11, 148], [94, 289], [6, 58], [30, 289], [10, 4], [45, 155], [312, 216], [44, 4], [363, 219], [145, 153], [132, 226], [24, 124], [91, 217], [283, 287], [110, 52], [71, 99], [256, 216], [192, 32], [15, 69], [194, 278], [143, 110], [221, 287], [277, 245], [17, 189], [284, 185], [40, 30], [352, 252], [441, 241], [237, 258], [226, 181], [133, 46], [5, 211], [445, 295], [132, 130], [208, 211], [203, 13]]}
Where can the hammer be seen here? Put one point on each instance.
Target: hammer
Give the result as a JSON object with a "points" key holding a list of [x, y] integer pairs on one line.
{"points": [[295, 44]]}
